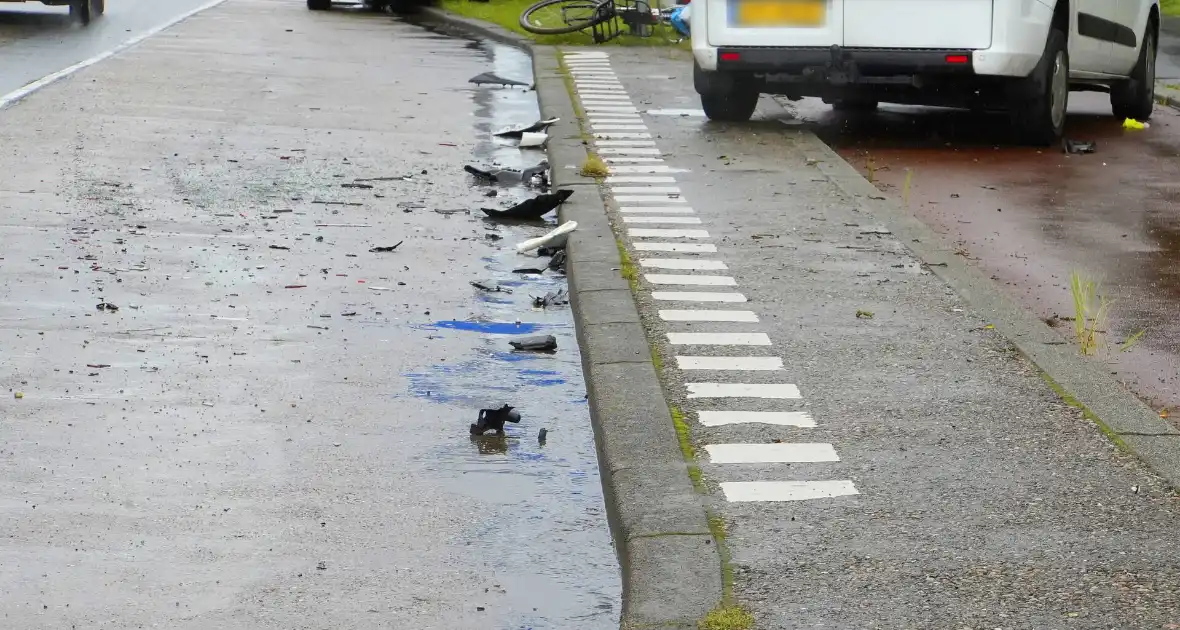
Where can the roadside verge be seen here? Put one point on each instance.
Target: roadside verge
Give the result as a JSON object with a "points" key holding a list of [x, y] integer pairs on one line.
{"points": [[670, 562]]}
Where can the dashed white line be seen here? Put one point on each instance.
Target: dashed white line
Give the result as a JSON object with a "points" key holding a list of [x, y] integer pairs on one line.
{"points": [[648, 168], [800, 419], [608, 108], [700, 280], [688, 248], [666, 233], [629, 151], [741, 491], [708, 316], [671, 220], [610, 135], [645, 190], [697, 296], [648, 199], [611, 126], [656, 210], [743, 390], [614, 159], [718, 339], [739, 364], [626, 143], [699, 264], [781, 453]]}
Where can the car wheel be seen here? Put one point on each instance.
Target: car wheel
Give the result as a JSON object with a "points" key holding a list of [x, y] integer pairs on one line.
{"points": [[854, 105], [1135, 97], [1042, 99], [80, 11], [319, 5], [726, 96]]}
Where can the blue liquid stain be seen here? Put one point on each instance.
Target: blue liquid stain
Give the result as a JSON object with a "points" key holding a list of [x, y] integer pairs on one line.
{"points": [[491, 328]]}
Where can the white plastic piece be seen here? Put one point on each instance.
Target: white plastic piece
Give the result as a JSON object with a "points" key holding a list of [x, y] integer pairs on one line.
{"points": [[555, 238]]}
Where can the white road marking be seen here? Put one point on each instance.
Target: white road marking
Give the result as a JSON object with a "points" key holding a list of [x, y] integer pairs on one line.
{"points": [[626, 143], [744, 364], [743, 390], [640, 179], [629, 151], [666, 233], [800, 419], [608, 108], [699, 280], [614, 135], [605, 96], [777, 453], [741, 491], [615, 126], [12, 97], [629, 160], [697, 296], [649, 190], [611, 119], [699, 264], [672, 220], [641, 199], [648, 168], [748, 317], [676, 112], [688, 248], [656, 210], [718, 339]]}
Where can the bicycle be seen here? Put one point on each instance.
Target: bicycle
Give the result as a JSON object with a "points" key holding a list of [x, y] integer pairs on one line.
{"points": [[602, 17]]}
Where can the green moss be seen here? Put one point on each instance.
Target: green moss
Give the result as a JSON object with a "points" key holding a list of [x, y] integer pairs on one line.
{"points": [[628, 269], [506, 13], [1170, 7], [728, 618], [682, 434], [594, 167], [1089, 415]]}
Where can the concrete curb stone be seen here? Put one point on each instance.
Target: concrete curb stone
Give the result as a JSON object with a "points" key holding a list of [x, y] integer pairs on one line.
{"points": [[668, 556]]}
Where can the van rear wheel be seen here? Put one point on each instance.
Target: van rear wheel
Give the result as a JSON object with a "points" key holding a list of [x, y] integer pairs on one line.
{"points": [[726, 96]]}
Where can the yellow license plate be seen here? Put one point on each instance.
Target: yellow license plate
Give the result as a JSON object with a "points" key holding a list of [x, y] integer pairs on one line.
{"points": [[781, 13]]}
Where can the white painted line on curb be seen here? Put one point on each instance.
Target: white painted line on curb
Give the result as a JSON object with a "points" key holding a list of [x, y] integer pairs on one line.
{"points": [[673, 220], [780, 453], [699, 280], [698, 264], [718, 339], [747, 317], [656, 210], [666, 233], [640, 179], [745, 364], [800, 419], [14, 96], [629, 151], [688, 248], [742, 491], [697, 296], [743, 390]]}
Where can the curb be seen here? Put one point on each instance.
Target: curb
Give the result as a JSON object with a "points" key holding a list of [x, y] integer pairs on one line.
{"points": [[1120, 414], [669, 559], [1166, 95]]}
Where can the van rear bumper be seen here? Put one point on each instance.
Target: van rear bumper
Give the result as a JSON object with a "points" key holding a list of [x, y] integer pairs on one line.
{"points": [[867, 61]]}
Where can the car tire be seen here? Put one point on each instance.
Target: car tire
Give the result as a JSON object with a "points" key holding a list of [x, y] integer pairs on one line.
{"points": [[1135, 97], [726, 96], [80, 11], [854, 105], [1042, 99], [319, 5]]}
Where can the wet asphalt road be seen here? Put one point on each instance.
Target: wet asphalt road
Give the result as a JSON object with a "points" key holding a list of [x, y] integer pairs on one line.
{"points": [[1031, 217], [271, 430]]}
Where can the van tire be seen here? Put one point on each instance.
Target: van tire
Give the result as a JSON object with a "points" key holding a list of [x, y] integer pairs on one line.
{"points": [[726, 96], [80, 11], [1040, 102], [1135, 97], [319, 5]]}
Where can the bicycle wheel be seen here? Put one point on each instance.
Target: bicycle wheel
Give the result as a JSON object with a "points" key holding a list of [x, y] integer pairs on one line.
{"points": [[557, 17]]}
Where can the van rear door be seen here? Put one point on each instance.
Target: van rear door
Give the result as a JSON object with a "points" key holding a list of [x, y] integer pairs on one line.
{"points": [[954, 24], [786, 23]]}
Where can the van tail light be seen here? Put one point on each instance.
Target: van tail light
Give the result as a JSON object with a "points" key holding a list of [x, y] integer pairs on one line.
{"points": [[957, 59], [731, 56]]}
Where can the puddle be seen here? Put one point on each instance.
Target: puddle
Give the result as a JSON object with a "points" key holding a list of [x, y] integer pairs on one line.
{"points": [[540, 531]]}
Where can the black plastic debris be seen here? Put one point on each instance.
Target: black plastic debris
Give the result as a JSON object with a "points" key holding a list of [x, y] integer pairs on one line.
{"points": [[557, 263], [552, 298], [517, 131], [535, 176], [551, 250], [542, 435], [360, 186], [106, 306], [528, 270], [538, 343], [279, 247], [1079, 146], [491, 288], [386, 248], [494, 419], [534, 208], [490, 78]]}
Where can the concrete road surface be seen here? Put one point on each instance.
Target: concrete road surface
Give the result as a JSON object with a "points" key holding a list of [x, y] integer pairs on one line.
{"points": [[221, 408]]}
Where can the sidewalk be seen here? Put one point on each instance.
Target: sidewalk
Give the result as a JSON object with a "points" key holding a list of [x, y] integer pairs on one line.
{"points": [[880, 455]]}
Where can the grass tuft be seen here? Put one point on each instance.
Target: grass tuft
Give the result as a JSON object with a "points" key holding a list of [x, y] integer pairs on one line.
{"points": [[1170, 7], [1090, 313], [728, 618], [593, 167]]}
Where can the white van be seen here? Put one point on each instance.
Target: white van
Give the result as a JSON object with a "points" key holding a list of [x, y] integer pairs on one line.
{"points": [[1020, 55]]}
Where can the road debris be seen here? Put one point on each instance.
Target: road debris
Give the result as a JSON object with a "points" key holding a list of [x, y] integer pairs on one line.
{"points": [[864, 314], [533, 140], [279, 247], [517, 131], [490, 288], [385, 248], [295, 286], [533, 176], [533, 208], [1134, 125], [349, 225], [360, 186], [532, 270], [553, 298], [490, 78], [494, 419], [98, 365], [106, 306], [542, 435], [538, 343], [1079, 146], [558, 237], [557, 262]]}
